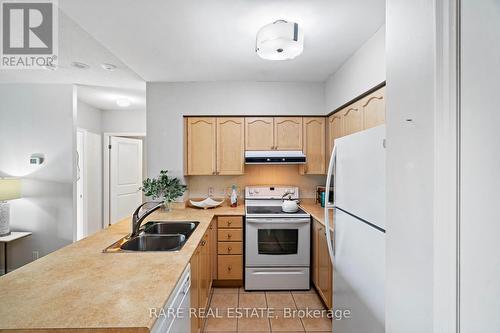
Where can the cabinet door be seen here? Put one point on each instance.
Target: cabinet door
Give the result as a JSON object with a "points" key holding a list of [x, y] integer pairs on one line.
{"points": [[314, 146], [288, 133], [201, 146], [259, 133], [374, 108], [335, 130], [213, 248], [352, 118], [195, 290], [230, 267], [315, 258], [204, 271], [324, 269], [230, 146]]}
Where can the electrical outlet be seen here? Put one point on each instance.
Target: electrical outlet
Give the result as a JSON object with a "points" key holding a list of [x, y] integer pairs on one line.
{"points": [[35, 255], [210, 191]]}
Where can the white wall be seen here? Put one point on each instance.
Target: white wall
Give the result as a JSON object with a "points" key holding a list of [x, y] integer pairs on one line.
{"points": [[96, 122], [410, 164], [480, 161], [168, 102], [39, 119], [88, 117], [129, 121], [362, 71]]}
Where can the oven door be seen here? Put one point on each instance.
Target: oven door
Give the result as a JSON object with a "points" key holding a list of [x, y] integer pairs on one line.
{"points": [[277, 242]]}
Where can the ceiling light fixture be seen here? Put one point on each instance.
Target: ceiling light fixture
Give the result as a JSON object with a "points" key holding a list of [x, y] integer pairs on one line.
{"points": [[123, 102], [280, 40], [79, 65], [108, 67]]}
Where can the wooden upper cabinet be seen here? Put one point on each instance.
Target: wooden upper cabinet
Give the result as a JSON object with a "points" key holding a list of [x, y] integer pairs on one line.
{"points": [[314, 146], [352, 118], [374, 108], [230, 146], [259, 133], [335, 131], [288, 133], [201, 145]]}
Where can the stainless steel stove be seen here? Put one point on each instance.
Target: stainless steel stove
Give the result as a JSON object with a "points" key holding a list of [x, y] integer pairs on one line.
{"points": [[277, 243]]}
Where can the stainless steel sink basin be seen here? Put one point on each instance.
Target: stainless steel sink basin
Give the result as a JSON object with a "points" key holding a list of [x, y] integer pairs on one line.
{"points": [[156, 236], [185, 228], [145, 242]]}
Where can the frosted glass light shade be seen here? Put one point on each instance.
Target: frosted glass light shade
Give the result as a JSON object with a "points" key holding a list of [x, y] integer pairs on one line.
{"points": [[10, 189], [280, 40]]}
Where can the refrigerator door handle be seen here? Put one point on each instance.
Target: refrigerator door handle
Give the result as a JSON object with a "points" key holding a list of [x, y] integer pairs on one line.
{"points": [[331, 170]]}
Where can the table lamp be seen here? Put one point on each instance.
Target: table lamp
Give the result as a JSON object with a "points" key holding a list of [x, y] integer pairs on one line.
{"points": [[10, 188]]}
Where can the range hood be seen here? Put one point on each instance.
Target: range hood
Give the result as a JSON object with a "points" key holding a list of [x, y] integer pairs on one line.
{"points": [[275, 157]]}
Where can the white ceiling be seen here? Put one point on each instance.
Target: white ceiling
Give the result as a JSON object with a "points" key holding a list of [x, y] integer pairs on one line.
{"points": [[75, 44], [210, 40], [104, 98]]}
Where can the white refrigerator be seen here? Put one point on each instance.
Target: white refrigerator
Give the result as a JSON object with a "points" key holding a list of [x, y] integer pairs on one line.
{"points": [[357, 250]]}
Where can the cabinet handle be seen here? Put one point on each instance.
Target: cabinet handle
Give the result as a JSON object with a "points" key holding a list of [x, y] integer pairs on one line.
{"points": [[229, 222], [229, 249], [228, 236], [229, 268], [203, 242]]}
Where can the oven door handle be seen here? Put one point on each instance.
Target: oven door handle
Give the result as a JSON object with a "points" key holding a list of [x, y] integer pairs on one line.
{"points": [[278, 221]]}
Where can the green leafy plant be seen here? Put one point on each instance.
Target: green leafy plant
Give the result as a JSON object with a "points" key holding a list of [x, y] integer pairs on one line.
{"points": [[164, 187]]}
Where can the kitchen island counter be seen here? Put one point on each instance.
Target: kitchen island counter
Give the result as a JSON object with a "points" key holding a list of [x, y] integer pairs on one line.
{"points": [[79, 287]]}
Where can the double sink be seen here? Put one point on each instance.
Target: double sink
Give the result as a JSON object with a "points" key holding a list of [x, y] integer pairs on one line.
{"points": [[156, 236]]}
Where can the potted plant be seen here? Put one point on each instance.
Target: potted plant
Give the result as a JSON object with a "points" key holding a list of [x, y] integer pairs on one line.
{"points": [[164, 187]]}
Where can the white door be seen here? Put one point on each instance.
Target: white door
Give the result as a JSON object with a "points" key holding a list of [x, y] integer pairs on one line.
{"points": [[93, 175], [80, 185], [125, 172]]}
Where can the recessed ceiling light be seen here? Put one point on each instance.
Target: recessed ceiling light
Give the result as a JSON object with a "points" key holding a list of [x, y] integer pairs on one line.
{"points": [[280, 40], [79, 65], [108, 67], [123, 102]]}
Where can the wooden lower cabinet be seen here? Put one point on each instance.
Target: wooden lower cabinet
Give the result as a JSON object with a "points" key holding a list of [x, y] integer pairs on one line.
{"points": [[213, 249], [230, 235], [322, 268], [230, 267], [195, 289], [202, 276], [230, 249]]}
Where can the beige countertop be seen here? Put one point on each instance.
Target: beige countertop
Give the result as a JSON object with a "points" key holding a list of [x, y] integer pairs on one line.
{"points": [[79, 287], [316, 211]]}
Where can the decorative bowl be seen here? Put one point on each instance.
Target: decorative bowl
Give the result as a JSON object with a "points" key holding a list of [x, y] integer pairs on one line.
{"points": [[207, 203]]}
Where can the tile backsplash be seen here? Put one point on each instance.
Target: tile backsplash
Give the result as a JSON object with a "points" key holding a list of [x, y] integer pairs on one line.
{"points": [[199, 186]]}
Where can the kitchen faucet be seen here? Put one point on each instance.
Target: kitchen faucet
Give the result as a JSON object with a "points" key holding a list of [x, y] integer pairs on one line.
{"points": [[137, 221]]}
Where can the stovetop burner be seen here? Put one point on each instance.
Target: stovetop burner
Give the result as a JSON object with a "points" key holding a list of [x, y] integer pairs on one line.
{"points": [[270, 210]]}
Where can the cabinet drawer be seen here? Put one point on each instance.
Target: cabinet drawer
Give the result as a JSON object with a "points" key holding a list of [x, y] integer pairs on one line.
{"points": [[230, 221], [230, 267], [230, 248], [230, 235]]}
